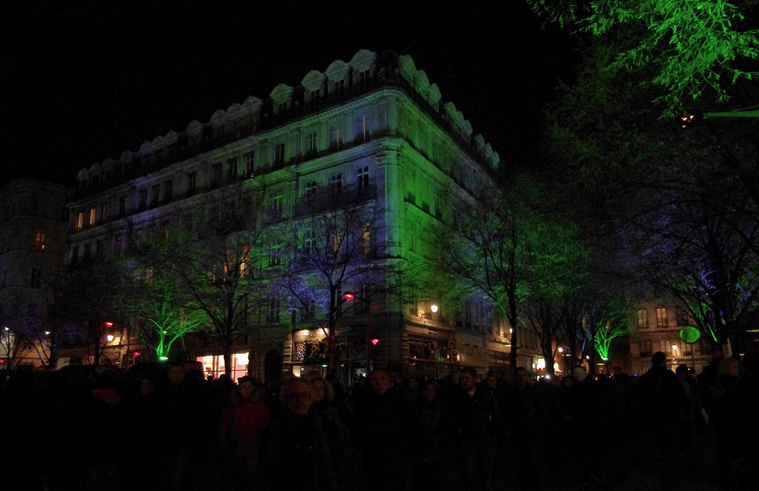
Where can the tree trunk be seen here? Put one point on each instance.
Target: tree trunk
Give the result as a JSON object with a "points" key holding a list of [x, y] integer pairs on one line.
{"points": [[228, 358]]}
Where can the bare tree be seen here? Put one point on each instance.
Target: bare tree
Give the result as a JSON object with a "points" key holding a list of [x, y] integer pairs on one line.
{"points": [[218, 255], [331, 245]]}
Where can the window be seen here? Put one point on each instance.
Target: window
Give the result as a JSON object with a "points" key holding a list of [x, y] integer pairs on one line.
{"points": [[104, 212], [315, 97], [363, 80], [665, 346], [361, 127], [123, 206], [39, 241], [279, 154], [366, 240], [245, 262], [87, 250], [276, 204], [661, 317], [143, 199], [249, 157], [272, 314], [232, 168], [282, 107], [79, 221], [334, 136], [335, 185], [168, 188], [100, 248], [36, 280], [192, 180], [437, 204], [155, 193], [310, 190], [311, 143], [338, 88], [91, 219], [274, 258], [216, 173], [688, 349], [362, 179], [74, 253], [642, 318], [119, 247], [411, 237], [308, 243]]}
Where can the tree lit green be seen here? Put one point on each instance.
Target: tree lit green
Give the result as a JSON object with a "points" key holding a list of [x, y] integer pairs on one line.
{"points": [[691, 46]]}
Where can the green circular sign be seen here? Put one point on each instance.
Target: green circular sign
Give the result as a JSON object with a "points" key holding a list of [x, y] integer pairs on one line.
{"points": [[690, 334]]}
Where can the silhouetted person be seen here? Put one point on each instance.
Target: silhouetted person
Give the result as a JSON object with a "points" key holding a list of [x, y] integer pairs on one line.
{"points": [[475, 418], [381, 430], [662, 397], [295, 454]]}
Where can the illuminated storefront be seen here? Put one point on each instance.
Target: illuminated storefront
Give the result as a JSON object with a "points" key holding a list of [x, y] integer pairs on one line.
{"points": [[214, 365]]}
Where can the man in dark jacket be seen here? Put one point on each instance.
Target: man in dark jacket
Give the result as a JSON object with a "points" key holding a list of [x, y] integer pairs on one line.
{"points": [[295, 434], [475, 421], [382, 432]]}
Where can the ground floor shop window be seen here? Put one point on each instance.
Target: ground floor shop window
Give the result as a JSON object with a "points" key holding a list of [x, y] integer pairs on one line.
{"points": [[214, 365]]}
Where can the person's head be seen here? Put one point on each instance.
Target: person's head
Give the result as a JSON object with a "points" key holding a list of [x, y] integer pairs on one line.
{"points": [[659, 359], [176, 372], [146, 386], [430, 391], [245, 386], [380, 381], [492, 381], [295, 395], [523, 377], [579, 374], [730, 366], [682, 370], [321, 389], [468, 378]]}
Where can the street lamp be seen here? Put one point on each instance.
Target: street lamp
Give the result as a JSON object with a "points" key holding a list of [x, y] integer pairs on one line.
{"points": [[433, 308]]}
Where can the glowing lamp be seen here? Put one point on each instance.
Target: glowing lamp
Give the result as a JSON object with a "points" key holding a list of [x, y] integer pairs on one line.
{"points": [[433, 308], [561, 350], [375, 341], [136, 353], [109, 324], [674, 347], [163, 358], [109, 337], [690, 334], [349, 296]]}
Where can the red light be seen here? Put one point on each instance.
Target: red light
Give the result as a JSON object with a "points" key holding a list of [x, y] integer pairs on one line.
{"points": [[136, 353], [109, 324], [2, 360], [375, 341], [349, 296]]}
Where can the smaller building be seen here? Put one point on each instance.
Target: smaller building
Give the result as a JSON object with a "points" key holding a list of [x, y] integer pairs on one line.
{"points": [[33, 232]]}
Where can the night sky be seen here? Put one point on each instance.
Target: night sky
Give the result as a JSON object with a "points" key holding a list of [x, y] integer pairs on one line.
{"points": [[85, 80]]}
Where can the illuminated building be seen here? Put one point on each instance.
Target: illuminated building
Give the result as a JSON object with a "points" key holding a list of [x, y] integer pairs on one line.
{"points": [[33, 232], [657, 327], [373, 127]]}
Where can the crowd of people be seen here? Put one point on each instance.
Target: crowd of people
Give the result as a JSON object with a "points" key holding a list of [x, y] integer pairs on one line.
{"points": [[174, 430]]}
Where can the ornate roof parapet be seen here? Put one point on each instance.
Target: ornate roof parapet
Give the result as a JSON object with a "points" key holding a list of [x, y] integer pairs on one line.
{"points": [[364, 72]]}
